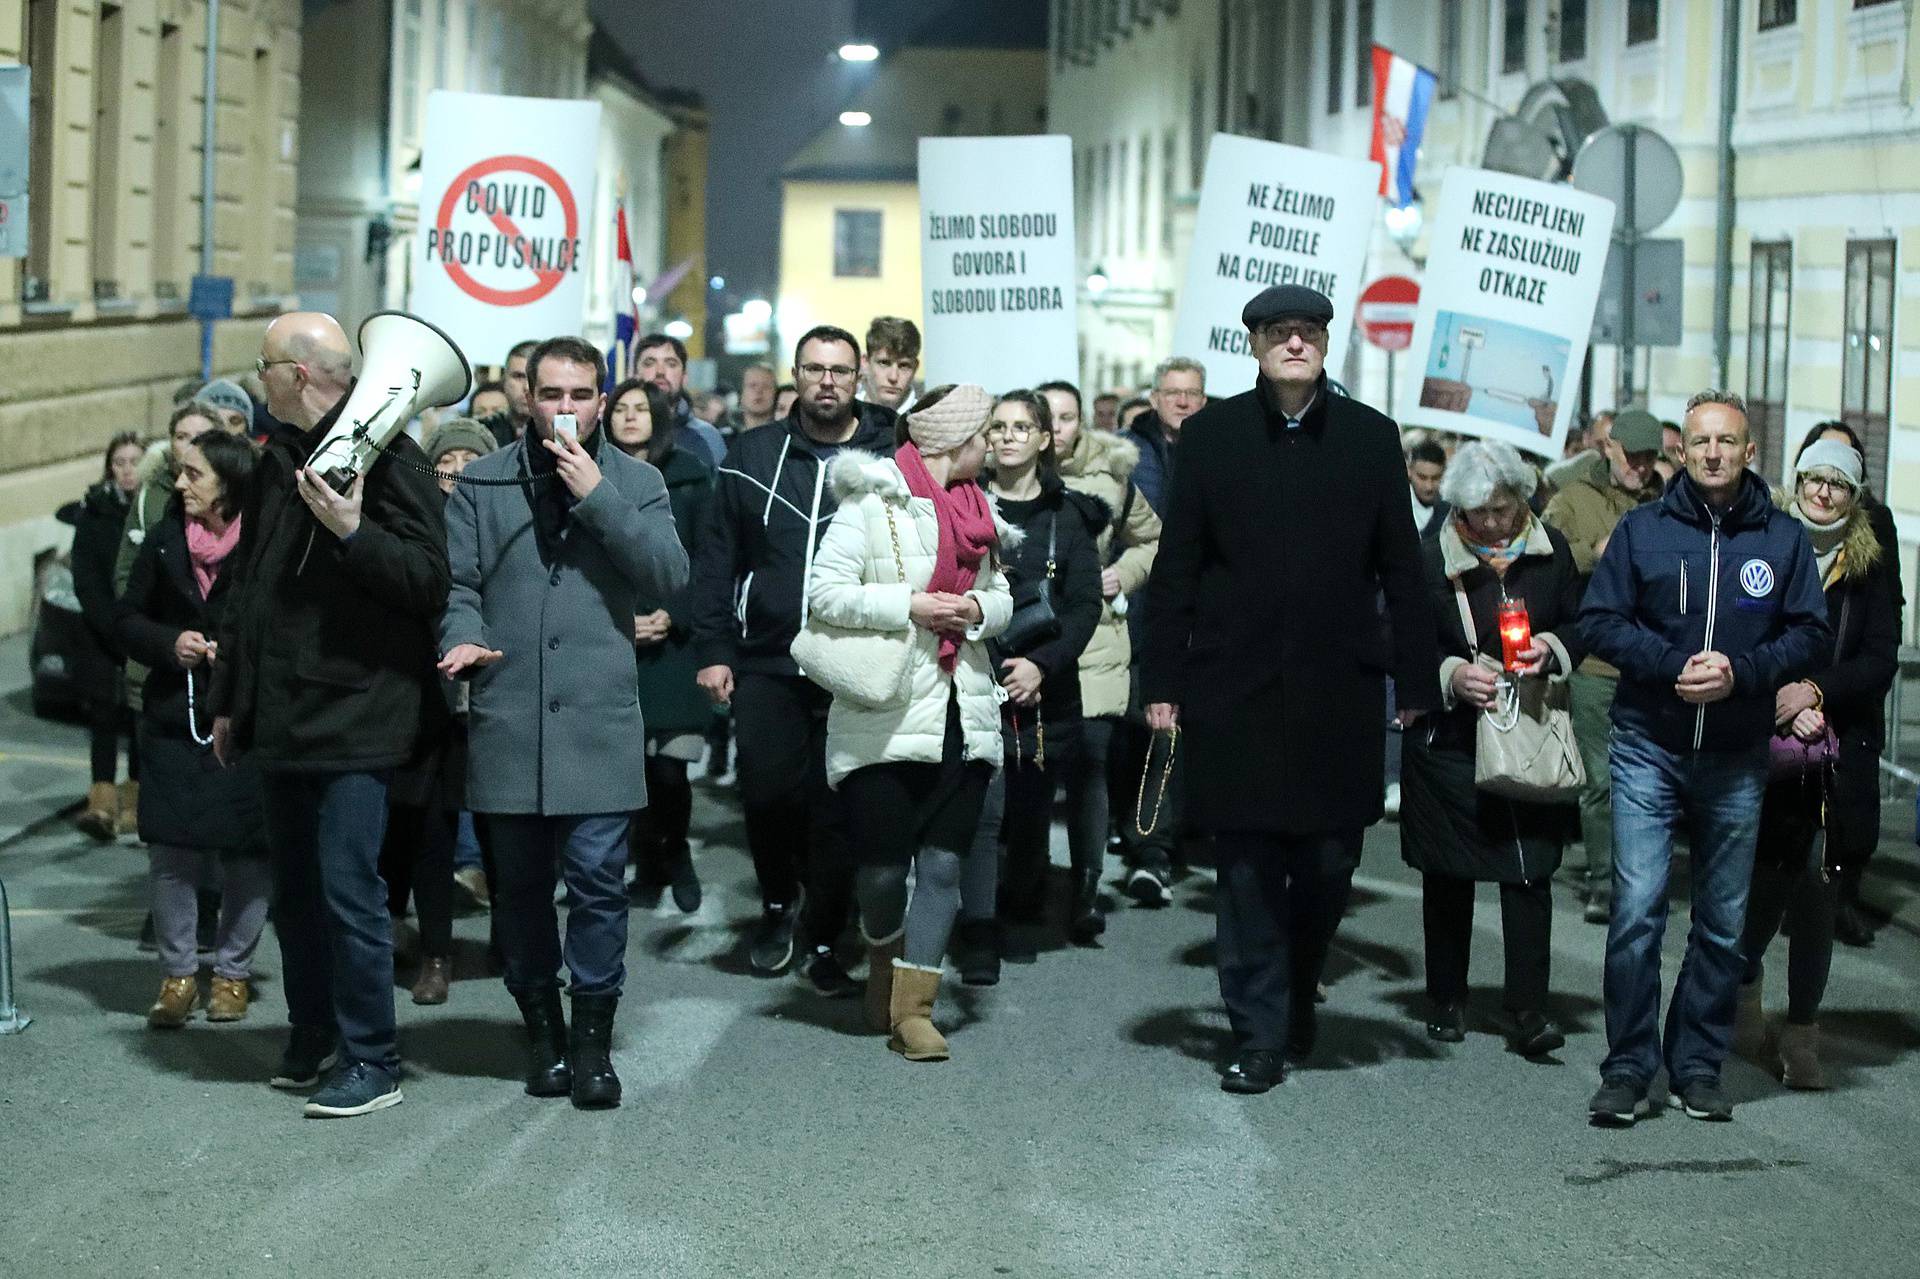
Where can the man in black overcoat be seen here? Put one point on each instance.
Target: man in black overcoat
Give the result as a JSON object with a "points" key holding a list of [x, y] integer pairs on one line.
{"points": [[1287, 521]]}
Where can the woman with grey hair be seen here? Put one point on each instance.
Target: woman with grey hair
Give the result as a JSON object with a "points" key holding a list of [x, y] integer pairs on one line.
{"points": [[1492, 551]]}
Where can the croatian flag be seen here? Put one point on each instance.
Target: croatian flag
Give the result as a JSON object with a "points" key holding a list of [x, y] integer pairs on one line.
{"points": [[626, 312], [1402, 92]]}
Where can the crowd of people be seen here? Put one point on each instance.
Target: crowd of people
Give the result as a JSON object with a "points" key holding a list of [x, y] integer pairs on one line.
{"points": [[904, 622]]}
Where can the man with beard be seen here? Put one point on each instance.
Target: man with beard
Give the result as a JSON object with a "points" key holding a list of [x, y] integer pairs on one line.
{"points": [[771, 507], [1286, 522], [662, 360]]}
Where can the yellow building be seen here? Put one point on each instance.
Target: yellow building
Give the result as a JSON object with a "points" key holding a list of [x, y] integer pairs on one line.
{"points": [[685, 157], [94, 335], [850, 206]]}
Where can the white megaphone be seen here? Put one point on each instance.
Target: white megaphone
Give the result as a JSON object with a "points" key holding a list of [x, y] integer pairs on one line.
{"points": [[406, 365]]}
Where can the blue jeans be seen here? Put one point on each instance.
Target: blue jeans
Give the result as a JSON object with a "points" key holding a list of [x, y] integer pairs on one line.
{"points": [[1717, 795], [330, 907], [592, 853]]}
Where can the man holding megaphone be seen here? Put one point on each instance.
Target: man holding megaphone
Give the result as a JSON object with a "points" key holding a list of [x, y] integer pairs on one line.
{"points": [[325, 671]]}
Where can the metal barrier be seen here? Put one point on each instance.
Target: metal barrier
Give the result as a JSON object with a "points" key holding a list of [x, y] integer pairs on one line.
{"points": [[1891, 768], [12, 1020]]}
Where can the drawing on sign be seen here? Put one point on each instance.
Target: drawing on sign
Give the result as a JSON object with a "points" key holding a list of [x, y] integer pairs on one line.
{"points": [[1519, 376], [483, 225]]}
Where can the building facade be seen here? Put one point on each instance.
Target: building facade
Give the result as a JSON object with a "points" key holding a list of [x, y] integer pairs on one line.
{"points": [[94, 334], [849, 200], [1825, 175]]}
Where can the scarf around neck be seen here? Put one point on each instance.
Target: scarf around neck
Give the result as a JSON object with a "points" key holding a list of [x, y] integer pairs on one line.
{"points": [[966, 533], [207, 550], [1827, 539]]}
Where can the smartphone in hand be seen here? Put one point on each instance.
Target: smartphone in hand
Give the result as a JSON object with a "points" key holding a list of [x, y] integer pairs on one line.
{"points": [[566, 426]]}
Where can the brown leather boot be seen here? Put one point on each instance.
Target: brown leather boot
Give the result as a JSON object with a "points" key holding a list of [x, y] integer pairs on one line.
{"points": [[1800, 1057], [430, 987], [914, 1035], [880, 957], [227, 1000], [174, 1007], [129, 820], [103, 811]]}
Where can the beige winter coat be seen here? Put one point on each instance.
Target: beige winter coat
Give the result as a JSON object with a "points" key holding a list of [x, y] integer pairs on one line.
{"points": [[857, 582], [1100, 464]]}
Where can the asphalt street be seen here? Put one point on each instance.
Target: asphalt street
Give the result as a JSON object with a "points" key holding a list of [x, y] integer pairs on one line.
{"points": [[1078, 1130]]}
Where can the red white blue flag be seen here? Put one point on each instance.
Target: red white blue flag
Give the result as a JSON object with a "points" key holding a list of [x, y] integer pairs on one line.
{"points": [[626, 311], [1402, 93]]}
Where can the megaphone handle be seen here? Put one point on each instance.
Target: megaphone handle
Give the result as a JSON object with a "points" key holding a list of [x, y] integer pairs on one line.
{"points": [[339, 478]]}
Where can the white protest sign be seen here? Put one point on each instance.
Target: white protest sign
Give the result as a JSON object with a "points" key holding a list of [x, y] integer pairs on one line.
{"points": [[1506, 308], [506, 192], [997, 261], [1271, 214]]}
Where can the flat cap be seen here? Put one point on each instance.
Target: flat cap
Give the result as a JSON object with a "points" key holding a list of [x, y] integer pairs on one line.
{"points": [[1637, 431], [1284, 302]]}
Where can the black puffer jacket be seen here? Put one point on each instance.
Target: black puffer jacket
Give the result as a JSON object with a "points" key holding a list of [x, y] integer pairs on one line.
{"points": [[771, 505], [187, 799], [1070, 524], [97, 520]]}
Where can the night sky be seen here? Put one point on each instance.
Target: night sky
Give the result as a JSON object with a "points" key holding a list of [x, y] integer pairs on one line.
{"points": [[771, 78]]}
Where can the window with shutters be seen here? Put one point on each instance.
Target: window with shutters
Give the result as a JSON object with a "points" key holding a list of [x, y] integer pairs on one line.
{"points": [[1571, 36], [1778, 13], [1769, 314], [1513, 36], [1866, 350]]}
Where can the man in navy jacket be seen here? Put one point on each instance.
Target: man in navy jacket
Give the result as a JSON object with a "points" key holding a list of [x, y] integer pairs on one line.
{"points": [[1708, 601]]}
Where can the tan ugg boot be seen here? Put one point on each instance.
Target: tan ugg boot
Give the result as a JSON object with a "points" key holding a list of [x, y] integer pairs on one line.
{"points": [[1800, 1057], [914, 1035], [103, 811], [174, 1005], [880, 957], [1750, 1024], [129, 821]]}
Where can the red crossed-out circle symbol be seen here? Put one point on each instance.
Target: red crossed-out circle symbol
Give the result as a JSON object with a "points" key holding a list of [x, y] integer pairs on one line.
{"points": [[549, 280]]}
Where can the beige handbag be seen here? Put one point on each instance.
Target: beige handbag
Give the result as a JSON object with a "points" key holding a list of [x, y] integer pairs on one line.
{"points": [[870, 669], [1524, 747]]}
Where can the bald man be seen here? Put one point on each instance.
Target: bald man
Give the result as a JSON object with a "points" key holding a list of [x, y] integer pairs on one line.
{"points": [[325, 673]]}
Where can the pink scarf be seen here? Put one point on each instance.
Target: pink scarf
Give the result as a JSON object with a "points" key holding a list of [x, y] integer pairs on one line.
{"points": [[207, 549], [966, 533]]}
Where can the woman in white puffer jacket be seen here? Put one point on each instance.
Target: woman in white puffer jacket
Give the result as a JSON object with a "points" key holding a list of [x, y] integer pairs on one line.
{"points": [[910, 554]]}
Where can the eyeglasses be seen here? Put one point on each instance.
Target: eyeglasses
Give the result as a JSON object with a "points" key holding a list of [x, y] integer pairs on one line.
{"points": [[1828, 486], [1018, 432], [821, 372], [262, 364], [1282, 331]]}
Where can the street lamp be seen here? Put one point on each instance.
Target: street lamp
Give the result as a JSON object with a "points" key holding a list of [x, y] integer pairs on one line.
{"points": [[678, 329], [759, 310], [1403, 223], [1097, 281], [858, 53], [855, 119]]}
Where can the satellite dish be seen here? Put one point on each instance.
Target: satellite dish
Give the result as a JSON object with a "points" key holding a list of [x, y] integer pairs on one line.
{"points": [[1601, 169], [1544, 133]]}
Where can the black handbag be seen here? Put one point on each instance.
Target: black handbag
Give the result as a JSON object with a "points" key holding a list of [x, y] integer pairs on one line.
{"points": [[1034, 620]]}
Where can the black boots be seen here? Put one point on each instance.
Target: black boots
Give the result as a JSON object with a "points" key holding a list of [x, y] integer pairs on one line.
{"points": [[1086, 919], [595, 1086], [976, 952], [548, 1074]]}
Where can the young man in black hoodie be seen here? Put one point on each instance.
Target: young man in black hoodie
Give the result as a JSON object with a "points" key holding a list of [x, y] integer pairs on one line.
{"points": [[771, 507]]}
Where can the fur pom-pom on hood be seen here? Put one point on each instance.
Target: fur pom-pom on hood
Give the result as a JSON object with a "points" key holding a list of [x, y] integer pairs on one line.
{"points": [[855, 473], [1097, 452]]}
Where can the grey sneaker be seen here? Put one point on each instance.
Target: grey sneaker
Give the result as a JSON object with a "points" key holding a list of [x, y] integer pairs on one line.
{"points": [[772, 946], [309, 1055], [1702, 1099], [1619, 1102], [354, 1088]]}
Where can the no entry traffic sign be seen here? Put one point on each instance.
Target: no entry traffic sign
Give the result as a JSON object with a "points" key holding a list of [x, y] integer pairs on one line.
{"points": [[503, 243], [1386, 311]]}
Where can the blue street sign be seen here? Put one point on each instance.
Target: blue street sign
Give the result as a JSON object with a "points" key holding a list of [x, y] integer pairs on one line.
{"points": [[211, 297]]}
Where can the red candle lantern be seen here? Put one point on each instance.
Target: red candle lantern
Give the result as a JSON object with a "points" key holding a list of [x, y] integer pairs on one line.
{"points": [[1516, 632]]}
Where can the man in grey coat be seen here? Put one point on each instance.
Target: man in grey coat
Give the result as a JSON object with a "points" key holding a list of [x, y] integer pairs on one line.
{"points": [[552, 552]]}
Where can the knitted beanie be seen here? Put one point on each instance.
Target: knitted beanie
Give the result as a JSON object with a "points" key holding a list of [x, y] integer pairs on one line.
{"points": [[955, 419], [459, 433], [224, 394], [1831, 455]]}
